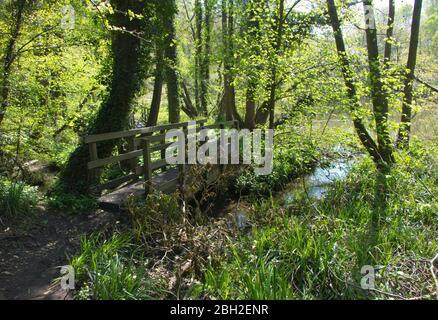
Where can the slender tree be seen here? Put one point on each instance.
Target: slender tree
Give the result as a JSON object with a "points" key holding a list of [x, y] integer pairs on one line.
{"points": [[389, 32], [405, 126], [378, 95], [267, 108], [277, 47], [188, 107], [253, 29], [205, 62], [18, 9], [348, 74], [158, 88]]}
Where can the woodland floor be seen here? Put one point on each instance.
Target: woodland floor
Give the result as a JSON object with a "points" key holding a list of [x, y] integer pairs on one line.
{"points": [[31, 255]]}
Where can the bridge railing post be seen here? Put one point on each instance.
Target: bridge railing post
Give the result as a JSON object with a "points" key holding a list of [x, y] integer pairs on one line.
{"points": [[223, 144], [147, 170], [132, 147], [182, 166], [93, 173], [163, 151]]}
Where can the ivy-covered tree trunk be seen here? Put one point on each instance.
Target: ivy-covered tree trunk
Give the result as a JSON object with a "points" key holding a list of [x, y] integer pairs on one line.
{"points": [[128, 55], [405, 126], [18, 8], [170, 54]]}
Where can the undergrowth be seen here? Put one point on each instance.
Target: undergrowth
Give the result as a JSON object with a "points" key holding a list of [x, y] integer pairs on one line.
{"points": [[317, 250], [304, 249]]}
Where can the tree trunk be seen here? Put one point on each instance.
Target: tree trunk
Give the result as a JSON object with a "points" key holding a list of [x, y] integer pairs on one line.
{"points": [[274, 70], [262, 113], [20, 6], [158, 89], [198, 51], [188, 107], [127, 75], [405, 126], [378, 94], [250, 106], [251, 89], [205, 63], [229, 100], [171, 61]]}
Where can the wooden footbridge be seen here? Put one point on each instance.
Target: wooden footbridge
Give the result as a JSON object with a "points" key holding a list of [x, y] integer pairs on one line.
{"points": [[146, 159]]}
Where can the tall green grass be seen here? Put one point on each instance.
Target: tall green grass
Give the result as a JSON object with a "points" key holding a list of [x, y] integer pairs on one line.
{"points": [[16, 199], [112, 269]]}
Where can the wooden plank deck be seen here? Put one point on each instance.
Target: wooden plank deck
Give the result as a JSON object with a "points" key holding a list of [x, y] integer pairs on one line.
{"points": [[166, 182], [117, 199]]}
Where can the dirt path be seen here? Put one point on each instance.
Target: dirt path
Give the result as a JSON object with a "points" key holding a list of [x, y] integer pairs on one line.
{"points": [[30, 260]]}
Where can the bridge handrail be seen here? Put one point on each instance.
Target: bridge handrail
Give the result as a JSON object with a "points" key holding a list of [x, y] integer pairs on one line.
{"points": [[133, 153], [135, 150], [133, 132]]}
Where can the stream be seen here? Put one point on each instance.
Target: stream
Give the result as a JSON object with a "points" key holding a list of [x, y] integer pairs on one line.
{"points": [[317, 184]]}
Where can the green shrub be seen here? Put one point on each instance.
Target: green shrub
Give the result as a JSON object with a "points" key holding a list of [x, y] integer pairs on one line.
{"points": [[70, 203], [291, 159]]}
